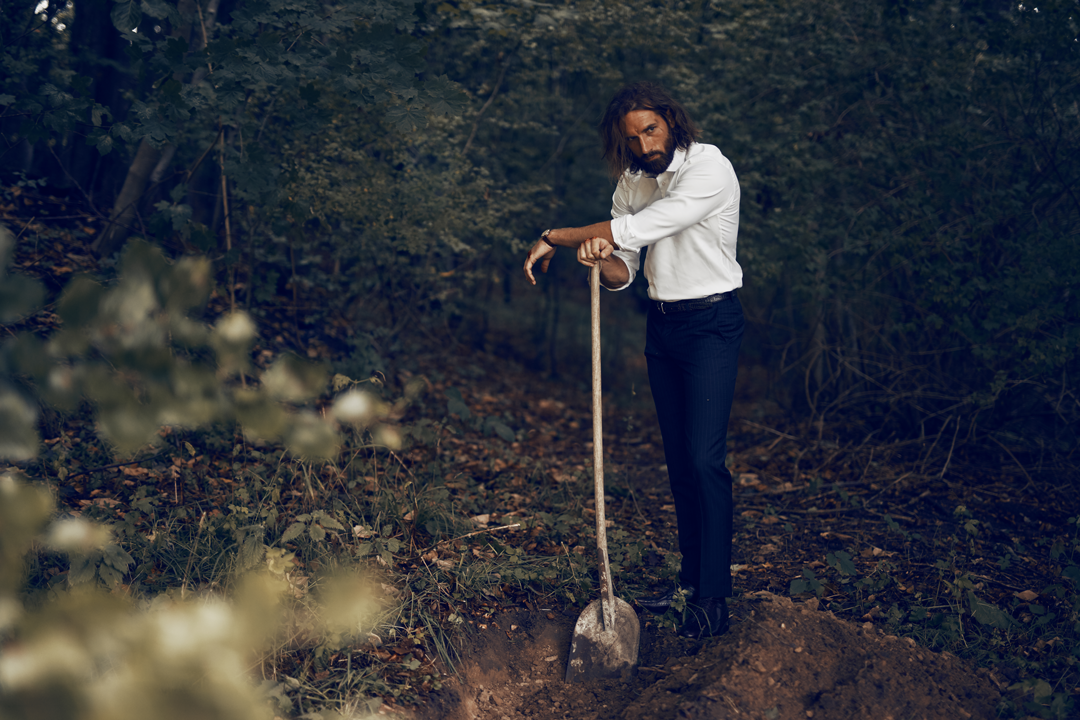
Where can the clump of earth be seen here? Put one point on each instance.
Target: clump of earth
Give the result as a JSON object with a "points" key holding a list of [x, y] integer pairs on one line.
{"points": [[781, 660]]}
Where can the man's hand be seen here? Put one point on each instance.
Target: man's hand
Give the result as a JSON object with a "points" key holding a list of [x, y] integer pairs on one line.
{"points": [[613, 271], [542, 252], [594, 250]]}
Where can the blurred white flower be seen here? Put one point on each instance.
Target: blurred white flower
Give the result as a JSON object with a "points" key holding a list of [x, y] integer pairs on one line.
{"points": [[18, 436], [53, 655], [355, 406], [389, 437], [311, 436], [62, 379], [235, 328], [10, 612], [77, 535]]}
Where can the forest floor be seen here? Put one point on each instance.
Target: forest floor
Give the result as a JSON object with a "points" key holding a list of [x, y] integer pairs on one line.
{"points": [[808, 510], [877, 577]]}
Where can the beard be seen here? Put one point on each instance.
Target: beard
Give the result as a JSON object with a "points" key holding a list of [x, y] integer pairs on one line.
{"points": [[655, 163]]}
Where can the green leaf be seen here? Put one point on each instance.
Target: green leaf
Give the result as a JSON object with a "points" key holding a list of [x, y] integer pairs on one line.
{"points": [[503, 431], [118, 557], [316, 532], [292, 532], [108, 575], [161, 10], [7, 99], [987, 613], [329, 522], [455, 405], [252, 549], [175, 49], [841, 562], [82, 570], [808, 583], [445, 96], [407, 118], [126, 16]]}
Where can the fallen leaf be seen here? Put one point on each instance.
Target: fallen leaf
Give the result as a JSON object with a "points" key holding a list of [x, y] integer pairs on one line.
{"points": [[1027, 595], [874, 551]]}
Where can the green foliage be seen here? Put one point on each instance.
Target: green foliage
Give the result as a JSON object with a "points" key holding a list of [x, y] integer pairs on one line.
{"points": [[807, 583], [134, 350], [316, 524], [841, 562], [907, 171], [906, 182], [294, 53]]}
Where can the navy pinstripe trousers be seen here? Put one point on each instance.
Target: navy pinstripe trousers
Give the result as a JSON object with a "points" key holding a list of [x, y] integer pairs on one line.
{"points": [[693, 359]]}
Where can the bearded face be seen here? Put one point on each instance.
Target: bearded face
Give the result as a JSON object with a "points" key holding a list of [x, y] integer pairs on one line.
{"points": [[655, 162], [650, 141]]}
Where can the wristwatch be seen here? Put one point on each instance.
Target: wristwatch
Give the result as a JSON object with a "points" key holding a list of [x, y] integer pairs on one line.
{"points": [[544, 237]]}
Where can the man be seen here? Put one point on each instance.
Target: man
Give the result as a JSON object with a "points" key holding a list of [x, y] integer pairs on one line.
{"points": [[679, 198]]}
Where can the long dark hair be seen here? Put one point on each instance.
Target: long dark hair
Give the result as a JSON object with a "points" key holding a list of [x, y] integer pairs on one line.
{"points": [[641, 96]]}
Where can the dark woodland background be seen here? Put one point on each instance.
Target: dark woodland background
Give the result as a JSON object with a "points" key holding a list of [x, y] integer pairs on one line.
{"points": [[909, 171], [210, 207]]}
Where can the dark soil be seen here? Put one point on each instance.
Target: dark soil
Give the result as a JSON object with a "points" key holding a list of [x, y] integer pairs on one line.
{"points": [[780, 661]]}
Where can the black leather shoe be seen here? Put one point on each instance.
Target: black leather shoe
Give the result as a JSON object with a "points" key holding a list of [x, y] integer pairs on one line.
{"points": [[659, 604], [708, 617]]}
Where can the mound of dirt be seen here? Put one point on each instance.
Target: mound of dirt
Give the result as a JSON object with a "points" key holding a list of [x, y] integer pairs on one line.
{"points": [[779, 661]]}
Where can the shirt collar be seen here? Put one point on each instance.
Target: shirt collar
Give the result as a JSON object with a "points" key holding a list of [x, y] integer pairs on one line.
{"points": [[677, 159]]}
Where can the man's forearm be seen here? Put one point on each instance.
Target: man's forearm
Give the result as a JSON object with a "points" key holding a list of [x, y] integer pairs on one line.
{"points": [[572, 237], [614, 273]]}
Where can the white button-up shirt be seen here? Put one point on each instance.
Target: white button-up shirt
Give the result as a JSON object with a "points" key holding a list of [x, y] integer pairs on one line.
{"points": [[688, 217]]}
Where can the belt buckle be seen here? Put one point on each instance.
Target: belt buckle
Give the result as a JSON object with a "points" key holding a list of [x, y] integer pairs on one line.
{"points": [[662, 311]]}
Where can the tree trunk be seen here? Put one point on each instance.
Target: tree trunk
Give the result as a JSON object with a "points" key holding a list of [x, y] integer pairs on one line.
{"points": [[123, 212], [147, 157]]}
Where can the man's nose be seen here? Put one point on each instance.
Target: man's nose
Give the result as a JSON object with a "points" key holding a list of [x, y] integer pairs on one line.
{"points": [[650, 145]]}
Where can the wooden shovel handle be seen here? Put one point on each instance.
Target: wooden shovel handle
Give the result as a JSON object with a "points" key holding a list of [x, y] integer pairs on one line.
{"points": [[607, 591]]}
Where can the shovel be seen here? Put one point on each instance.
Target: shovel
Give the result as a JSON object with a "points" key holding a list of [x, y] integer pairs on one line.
{"points": [[606, 636]]}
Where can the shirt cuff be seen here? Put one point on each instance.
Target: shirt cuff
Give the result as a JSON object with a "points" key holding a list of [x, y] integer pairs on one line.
{"points": [[622, 231]]}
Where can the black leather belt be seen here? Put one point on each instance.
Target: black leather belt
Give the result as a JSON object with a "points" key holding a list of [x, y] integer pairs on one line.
{"points": [[694, 304]]}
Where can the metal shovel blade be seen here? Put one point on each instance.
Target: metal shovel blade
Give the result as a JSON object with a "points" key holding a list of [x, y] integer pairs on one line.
{"points": [[596, 652]]}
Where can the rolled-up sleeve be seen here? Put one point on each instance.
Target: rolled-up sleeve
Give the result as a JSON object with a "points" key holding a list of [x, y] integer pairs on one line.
{"points": [[703, 187], [620, 209]]}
